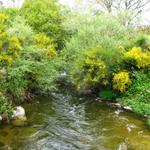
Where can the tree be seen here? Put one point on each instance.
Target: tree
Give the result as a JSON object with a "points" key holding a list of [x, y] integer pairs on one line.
{"points": [[44, 16], [106, 4], [1, 4], [133, 7]]}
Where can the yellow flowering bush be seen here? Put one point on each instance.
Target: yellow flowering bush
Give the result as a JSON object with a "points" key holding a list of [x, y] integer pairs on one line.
{"points": [[47, 44], [9, 45], [92, 70], [42, 41], [50, 52], [3, 19], [121, 81], [137, 57]]}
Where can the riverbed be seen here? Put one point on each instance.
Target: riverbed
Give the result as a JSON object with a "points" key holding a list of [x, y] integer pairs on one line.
{"points": [[69, 122]]}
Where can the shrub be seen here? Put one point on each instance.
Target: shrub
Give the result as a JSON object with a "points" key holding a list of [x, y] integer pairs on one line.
{"points": [[46, 45], [90, 71], [137, 57], [121, 81], [43, 41], [107, 94], [6, 109], [27, 76], [9, 45], [17, 81]]}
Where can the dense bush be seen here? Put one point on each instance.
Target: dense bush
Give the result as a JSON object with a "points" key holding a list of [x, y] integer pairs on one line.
{"points": [[90, 71], [6, 109], [9, 45], [46, 44]]}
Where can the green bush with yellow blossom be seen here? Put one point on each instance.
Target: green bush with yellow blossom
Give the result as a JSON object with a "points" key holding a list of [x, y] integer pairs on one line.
{"points": [[90, 71], [9, 45], [137, 57], [121, 81], [46, 44]]}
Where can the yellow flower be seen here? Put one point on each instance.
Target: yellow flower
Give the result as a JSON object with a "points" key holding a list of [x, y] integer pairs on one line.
{"points": [[121, 81], [141, 58]]}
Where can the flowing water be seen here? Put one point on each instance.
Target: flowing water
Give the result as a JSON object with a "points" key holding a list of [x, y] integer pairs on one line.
{"points": [[68, 122]]}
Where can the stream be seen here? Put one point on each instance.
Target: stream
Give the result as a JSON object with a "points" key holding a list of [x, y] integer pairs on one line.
{"points": [[69, 122]]}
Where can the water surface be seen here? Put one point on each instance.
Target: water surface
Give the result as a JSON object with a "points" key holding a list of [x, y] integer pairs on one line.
{"points": [[68, 122]]}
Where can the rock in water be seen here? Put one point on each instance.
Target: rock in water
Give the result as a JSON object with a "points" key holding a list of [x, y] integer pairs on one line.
{"points": [[1, 118], [128, 108], [19, 113], [19, 117]]}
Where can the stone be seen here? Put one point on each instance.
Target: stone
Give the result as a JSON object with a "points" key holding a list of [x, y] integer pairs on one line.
{"points": [[18, 113], [127, 108], [1, 118], [19, 117], [117, 105]]}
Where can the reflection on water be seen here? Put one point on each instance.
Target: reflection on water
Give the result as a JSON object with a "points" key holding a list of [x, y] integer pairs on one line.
{"points": [[66, 122]]}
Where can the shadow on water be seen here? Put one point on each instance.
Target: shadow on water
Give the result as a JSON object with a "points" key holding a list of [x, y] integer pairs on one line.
{"points": [[68, 122]]}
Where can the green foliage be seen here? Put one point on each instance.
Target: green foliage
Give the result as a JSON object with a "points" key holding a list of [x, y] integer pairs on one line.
{"points": [[6, 109], [89, 71], [45, 16], [107, 94], [11, 13], [138, 94], [46, 45], [9, 45], [92, 31], [142, 41], [148, 122], [101, 34], [25, 76], [21, 30]]}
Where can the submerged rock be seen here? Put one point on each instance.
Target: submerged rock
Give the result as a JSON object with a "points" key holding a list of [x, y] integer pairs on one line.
{"points": [[84, 92], [122, 146], [19, 122]]}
